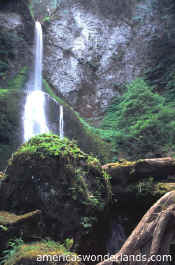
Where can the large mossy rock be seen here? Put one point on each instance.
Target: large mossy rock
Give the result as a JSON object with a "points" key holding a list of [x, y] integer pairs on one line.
{"points": [[56, 177]]}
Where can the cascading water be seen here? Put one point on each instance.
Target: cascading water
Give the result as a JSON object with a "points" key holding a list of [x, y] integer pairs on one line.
{"points": [[61, 122], [34, 112], [38, 51]]}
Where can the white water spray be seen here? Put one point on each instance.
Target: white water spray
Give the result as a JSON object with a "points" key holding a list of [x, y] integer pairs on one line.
{"points": [[38, 52], [61, 123], [34, 112]]}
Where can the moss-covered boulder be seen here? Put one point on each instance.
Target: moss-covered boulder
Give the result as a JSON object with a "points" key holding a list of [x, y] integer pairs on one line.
{"points": [[55, 176], [43, 252]]}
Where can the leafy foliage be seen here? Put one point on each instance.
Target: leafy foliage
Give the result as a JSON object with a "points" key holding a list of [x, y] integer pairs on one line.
{"points": [[4, 228], [19, 250], [19, 80], [14, 246], [50, 145], [142, 121]]}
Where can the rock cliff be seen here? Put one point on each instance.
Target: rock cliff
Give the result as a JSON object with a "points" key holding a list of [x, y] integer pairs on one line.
{"points": [[92, 50]]}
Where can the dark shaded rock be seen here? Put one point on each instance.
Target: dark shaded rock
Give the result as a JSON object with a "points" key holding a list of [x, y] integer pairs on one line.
{"points": [[13, 226], [11, 128], [136, 185], [116, 237], [21, 8], [16, 39], [53, 175], [152, 237]]}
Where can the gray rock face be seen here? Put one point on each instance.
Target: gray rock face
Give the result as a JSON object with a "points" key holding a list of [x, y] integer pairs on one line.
{"points": [[10, 20], [16, 48], [92, 49]]}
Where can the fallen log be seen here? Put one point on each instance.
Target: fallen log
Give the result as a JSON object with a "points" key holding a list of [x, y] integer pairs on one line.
{"points": [[130, 171]]}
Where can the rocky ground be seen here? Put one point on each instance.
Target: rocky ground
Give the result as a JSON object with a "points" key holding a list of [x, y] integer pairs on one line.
{"points": [[53, 189]]}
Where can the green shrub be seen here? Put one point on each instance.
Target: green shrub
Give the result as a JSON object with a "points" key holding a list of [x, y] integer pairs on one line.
{"points": [[142, 122], [14, 246], [18, 251]]}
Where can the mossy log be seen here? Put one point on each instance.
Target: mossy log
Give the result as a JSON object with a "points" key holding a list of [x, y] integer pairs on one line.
{"points": [[152, 236], [128, 171], [26, 226], [8, 219]]}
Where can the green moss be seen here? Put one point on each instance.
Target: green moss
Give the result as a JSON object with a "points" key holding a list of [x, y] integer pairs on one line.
{"points": [[103, 147], [31, 9], [46, 19], [162, 187], [3, 92], [49, 145], [44, 146], [124, 163], [88, 134], [20, 252], [52, 94], [140, 123], [7, 218], [18, 81], [149, 189]]}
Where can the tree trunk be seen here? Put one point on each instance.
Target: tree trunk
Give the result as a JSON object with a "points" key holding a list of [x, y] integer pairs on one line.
{"points": [[152, 236]]}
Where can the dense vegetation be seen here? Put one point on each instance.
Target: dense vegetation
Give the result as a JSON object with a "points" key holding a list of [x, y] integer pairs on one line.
{"points": [[140, 123], [22, 253]]}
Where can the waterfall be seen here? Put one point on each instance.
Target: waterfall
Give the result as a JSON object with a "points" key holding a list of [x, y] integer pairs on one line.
{"points": [[38, 52], [34, 110], [61, 122]]}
